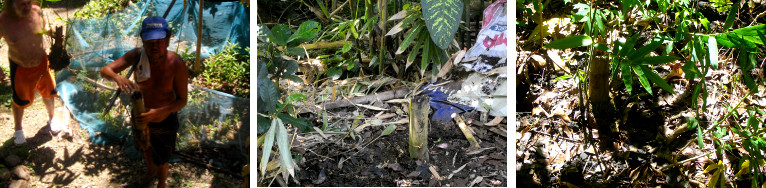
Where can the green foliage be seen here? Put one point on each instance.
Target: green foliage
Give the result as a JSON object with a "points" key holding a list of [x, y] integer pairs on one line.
{"points": [[570, 42], [274, 106], [101, 8], [229, 71], [442, 18], [420, 39]]}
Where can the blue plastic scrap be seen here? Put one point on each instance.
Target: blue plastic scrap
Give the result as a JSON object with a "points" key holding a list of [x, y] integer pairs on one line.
{"points": [[443, 108]]}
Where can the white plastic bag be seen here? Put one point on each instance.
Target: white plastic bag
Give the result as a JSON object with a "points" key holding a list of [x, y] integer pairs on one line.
{"points": [[489, 51]]}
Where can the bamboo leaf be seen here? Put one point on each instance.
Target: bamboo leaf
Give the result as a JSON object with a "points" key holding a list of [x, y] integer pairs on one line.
{"points": [[286, 159], [425, 56], [643, 51], [267, 144], [712, 47], [627, 76], [570, 42], [627, 48], [699, 137], [398, 16], [730, 18], [691, 123], [390, 129], [657, 79], [410, 37], [642, 78], [414, 52], [602, 47], [655, 60]]}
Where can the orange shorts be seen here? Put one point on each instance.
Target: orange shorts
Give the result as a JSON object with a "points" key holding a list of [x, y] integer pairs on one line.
{"points": [[24, 81]]}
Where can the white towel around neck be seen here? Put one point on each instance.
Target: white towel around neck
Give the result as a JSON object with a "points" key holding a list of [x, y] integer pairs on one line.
{"points": [[143, 71]]}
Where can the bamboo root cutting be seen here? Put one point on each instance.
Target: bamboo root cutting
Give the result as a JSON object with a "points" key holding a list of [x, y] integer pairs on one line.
{"points": [[140, 130], [59, 57], [466, 131]]}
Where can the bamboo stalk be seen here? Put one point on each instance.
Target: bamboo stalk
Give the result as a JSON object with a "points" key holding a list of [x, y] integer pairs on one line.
{"points": [[466, 131], [199, 39]]}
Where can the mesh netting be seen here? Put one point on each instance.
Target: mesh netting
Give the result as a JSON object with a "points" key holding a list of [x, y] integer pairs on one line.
{"points": [[211, 119]]}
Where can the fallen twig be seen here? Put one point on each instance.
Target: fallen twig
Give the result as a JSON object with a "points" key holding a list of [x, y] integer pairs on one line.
{"points": [[399, 93]]}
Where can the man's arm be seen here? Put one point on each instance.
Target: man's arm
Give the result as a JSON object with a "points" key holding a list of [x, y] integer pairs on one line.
{"points": [[110, 71], [180, 81]]}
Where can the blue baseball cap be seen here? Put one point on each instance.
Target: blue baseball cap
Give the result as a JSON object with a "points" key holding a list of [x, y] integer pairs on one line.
{"points": [[154, 28]]}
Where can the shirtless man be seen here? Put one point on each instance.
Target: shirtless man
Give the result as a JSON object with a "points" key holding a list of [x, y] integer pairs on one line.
{"points": [[22, 26], [164, 92]]}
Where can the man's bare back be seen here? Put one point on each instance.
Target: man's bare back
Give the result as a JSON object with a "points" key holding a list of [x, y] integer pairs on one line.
{"points": [[24, 36]]}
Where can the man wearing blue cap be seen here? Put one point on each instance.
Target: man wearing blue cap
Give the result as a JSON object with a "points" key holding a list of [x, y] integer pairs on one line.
{"points": [[161, 77]]}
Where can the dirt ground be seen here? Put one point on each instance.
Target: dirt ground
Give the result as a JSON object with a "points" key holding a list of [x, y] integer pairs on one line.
{"points": [[53, 161], [362, 161]]}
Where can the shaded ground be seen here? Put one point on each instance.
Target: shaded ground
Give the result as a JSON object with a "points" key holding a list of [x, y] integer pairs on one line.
{"points": [[55, 161]]}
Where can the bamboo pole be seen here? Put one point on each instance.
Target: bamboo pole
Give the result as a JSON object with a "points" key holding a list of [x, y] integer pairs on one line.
{"points": [[199, 39]]}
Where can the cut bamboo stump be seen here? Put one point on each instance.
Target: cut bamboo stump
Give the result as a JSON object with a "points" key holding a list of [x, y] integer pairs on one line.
{"points": [[419, 110]]}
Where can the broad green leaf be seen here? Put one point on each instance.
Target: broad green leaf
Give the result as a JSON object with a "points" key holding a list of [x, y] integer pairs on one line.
{"points": [[300, 123], [410, 37], [627, 48], [442, 19], [570, 42], [305, 33], [730, 18], [643, 51], [657, 79], [334, 73], [291, 66], [655, 60], [733, 39], [712, 48], [642, 78], [286, 159], [268, 92], [293, 78], [279, 34], [627, 76], [390, 129], [267, 144], [699, 137]]}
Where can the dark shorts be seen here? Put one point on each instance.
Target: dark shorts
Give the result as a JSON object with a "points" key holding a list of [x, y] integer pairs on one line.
{"points": [[163, 138]]}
